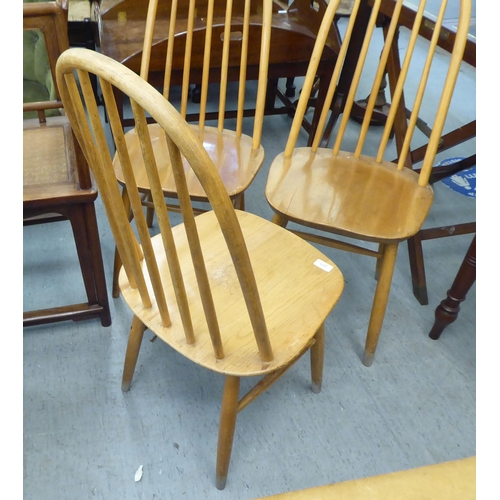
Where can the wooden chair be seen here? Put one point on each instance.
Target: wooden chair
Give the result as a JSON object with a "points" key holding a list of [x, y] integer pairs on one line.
{"points": [[210, 43], [221, 288], [365, 196], [57, 184], [451, 480]]}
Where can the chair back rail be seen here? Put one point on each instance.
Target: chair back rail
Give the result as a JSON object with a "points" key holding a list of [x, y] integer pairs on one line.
{"points": [[390, 45], [183, 146]]}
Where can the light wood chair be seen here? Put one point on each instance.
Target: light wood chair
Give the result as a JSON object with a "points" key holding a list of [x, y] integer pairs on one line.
{"points": [[228, 290], [356, 192], [210, 44], [57, 185]]}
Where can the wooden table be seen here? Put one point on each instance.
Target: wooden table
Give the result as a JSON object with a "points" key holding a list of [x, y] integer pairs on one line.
{"points": [[121, 27], [454, 480]]}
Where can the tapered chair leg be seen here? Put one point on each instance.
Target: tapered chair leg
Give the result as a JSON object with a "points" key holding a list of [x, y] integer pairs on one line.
{"points": [[381, 249], [280, 220], [380, 302], [137, 330], [239, 202], [317, 359], [417, 268], [227, 425]]}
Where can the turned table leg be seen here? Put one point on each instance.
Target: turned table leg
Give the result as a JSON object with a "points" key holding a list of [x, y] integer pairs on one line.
{"points": [[448, 309]]}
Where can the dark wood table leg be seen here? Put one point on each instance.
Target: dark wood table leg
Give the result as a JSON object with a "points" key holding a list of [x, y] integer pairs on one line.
{"points": [[448, 309], [290, 87]]}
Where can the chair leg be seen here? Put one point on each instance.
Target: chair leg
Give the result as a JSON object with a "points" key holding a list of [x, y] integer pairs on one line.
{"points": [[239, 202], [76, 217], [97, 263], [83, 222], [117, 264], [317, 359], [417, 268], [136, 334], [279, 220], [227, 425], [381, 249], [380, 302]]}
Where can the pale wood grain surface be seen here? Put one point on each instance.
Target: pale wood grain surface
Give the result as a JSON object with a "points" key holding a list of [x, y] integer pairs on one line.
{"points": [[454, 480]]}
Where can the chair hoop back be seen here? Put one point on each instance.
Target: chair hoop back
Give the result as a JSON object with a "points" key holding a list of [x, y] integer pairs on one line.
{"points": [[182, 145], [396, 15]]}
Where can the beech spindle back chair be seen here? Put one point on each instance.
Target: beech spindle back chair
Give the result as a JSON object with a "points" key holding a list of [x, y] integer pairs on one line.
{"points": [[209, 40], [230, 291], [359, 193]]}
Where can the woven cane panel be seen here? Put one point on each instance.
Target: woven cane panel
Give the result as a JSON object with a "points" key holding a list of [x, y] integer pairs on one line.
{"points": [[44, 156]]}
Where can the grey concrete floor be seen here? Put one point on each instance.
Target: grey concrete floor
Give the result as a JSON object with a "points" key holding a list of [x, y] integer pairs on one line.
{"points": [[416, 405]]}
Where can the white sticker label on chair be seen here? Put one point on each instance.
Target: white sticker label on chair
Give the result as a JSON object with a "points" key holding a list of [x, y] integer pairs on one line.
{"points": [[323, 265]]}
